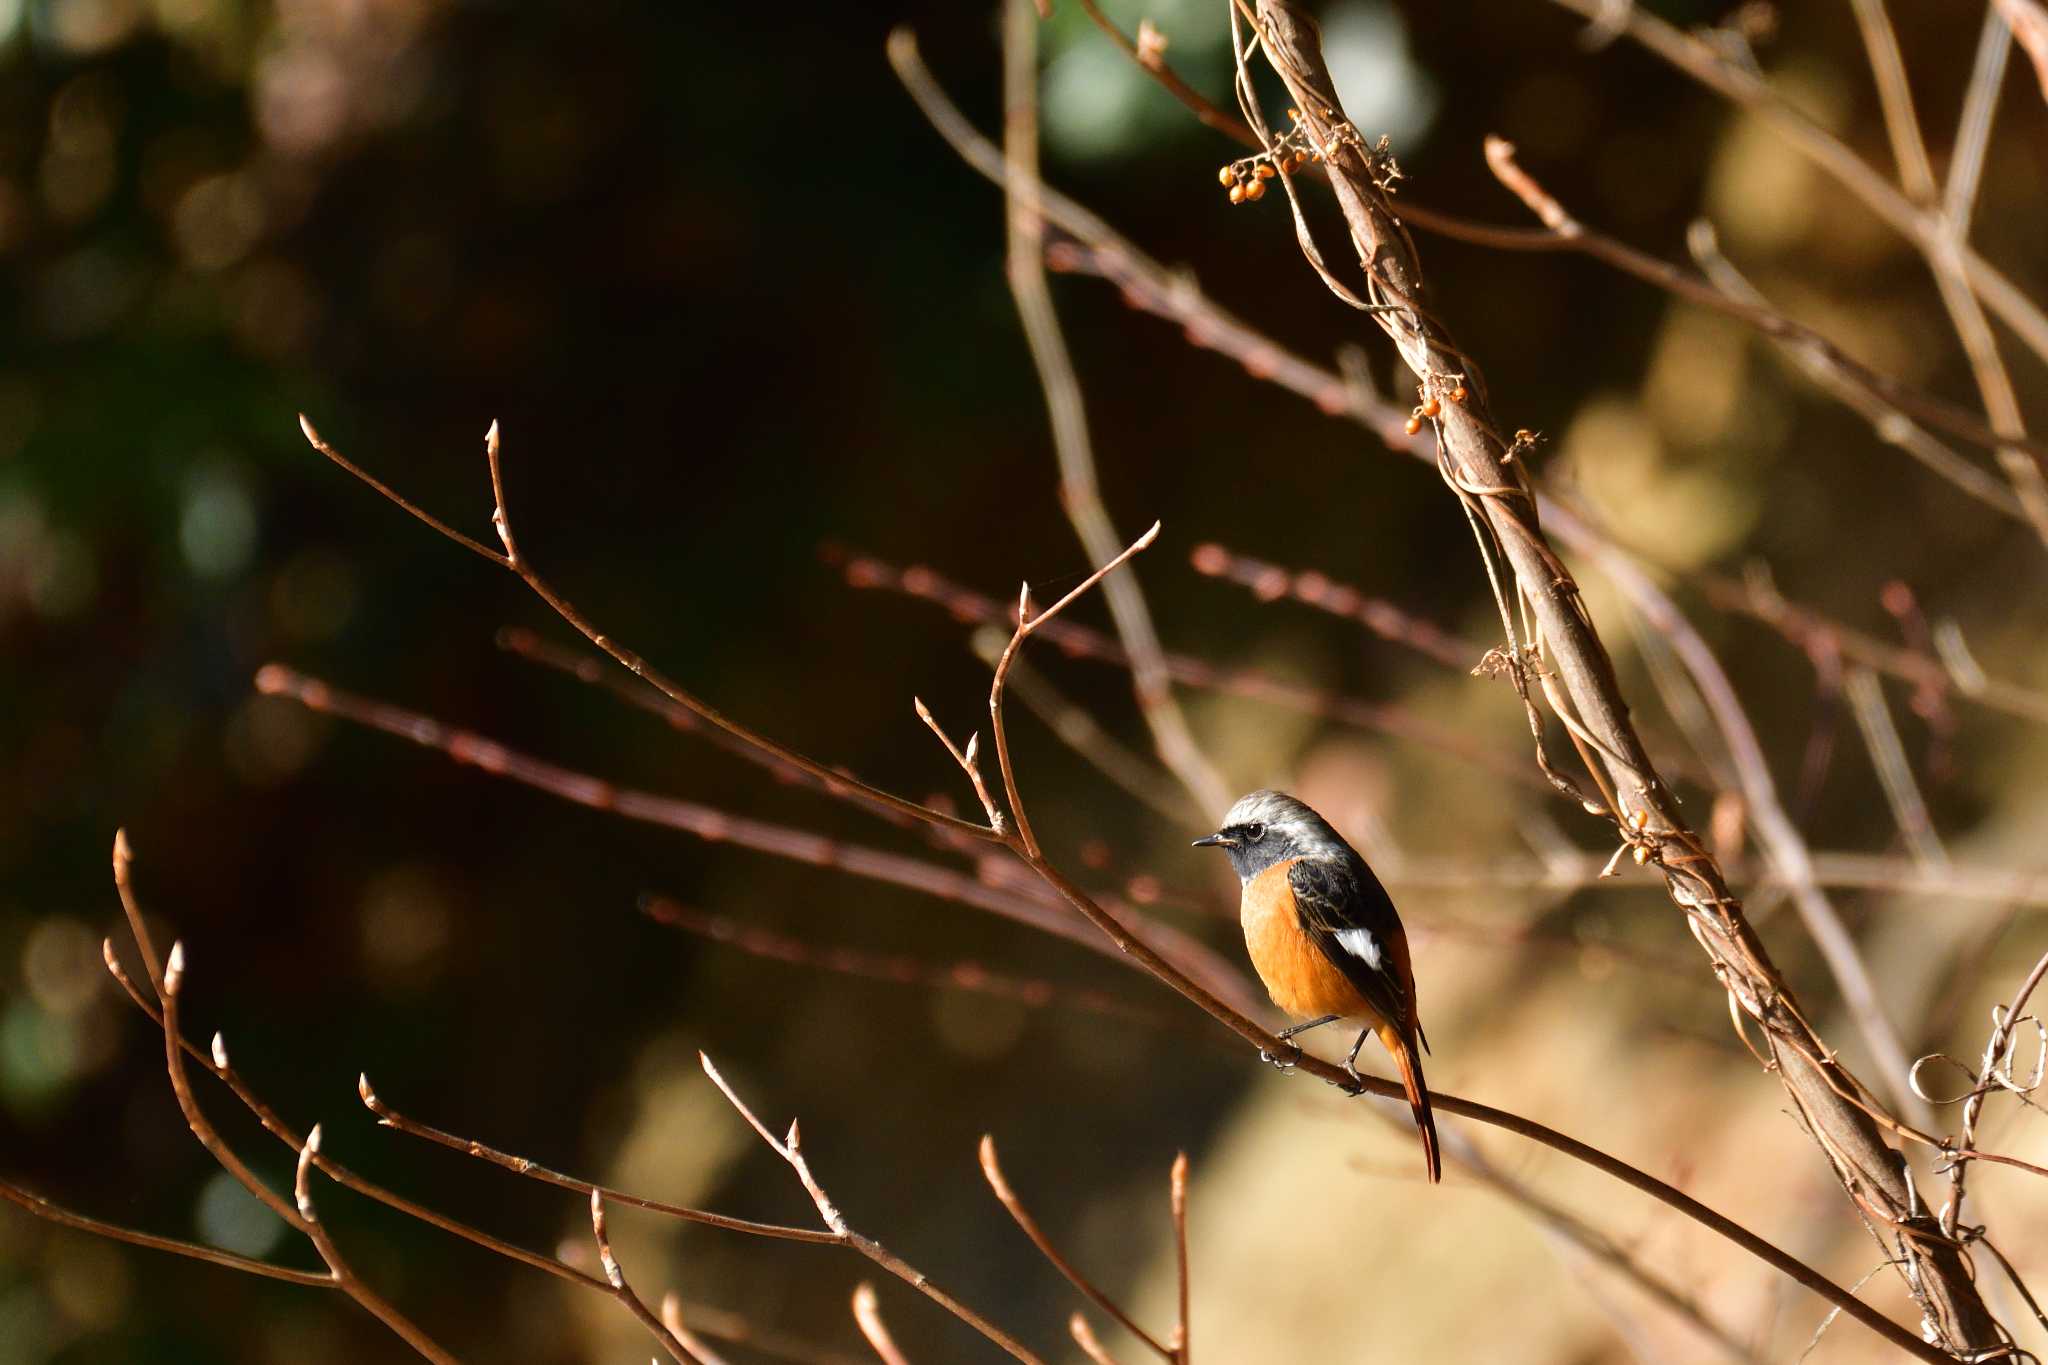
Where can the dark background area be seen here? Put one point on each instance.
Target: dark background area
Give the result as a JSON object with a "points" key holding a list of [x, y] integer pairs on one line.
{"points": [[731, 302]]}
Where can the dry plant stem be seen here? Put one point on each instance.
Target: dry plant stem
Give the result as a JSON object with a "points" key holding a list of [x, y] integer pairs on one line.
{"points": [[400, 1123], [166, 979], [1026, 902], [1868, 385], [1074, 727], [1886, 400], [591, 671], [897, 970], [672, 1320], [1152, 961], [1809, 629], [1710, 66], [1575, 666], [1080, 492], [1889, 424], [63, 1217], [1951, 213], [1085, 1338], [790, 1149], [615, 1275], [999, 1184], [1567, 1226], [864, 571], [867, 1315], [1894, 771], [1269, 582], [1178, 1193], [332, 1169], [1780, 837], [834, 782]]}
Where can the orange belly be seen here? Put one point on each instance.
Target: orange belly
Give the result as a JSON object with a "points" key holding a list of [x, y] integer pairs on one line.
{"points": [[1299, 977]]}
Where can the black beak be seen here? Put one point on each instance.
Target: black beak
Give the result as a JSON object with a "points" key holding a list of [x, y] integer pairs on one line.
{"points": [[1215, 841]]}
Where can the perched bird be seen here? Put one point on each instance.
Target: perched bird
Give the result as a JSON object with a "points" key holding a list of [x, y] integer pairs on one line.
{"points": [[1324, 936]]}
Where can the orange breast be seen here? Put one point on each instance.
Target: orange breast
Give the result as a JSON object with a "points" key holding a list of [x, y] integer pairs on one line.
{"points": [[1299, 977]]}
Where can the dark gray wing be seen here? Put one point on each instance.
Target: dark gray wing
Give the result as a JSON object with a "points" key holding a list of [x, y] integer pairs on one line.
{"points": [[1348, 914]]}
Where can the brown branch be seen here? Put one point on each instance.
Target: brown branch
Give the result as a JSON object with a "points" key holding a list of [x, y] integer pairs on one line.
{"points": [[893, 968], [1870, 390], [1716, 69], [1269, 582], [672, 1322], [1074, 727], [790, 1149], [1080, 491], [999, 1184], [1868, 385], [867, 1315], [1756, 598], [1079, 642], [615, 1275], [832, 781], [388, 1117], [114, 1232], [1025, 902], [1887, 422], [1084, 1335], [1177, 1190], [167, 982], [591, 671], [1575, 669]]}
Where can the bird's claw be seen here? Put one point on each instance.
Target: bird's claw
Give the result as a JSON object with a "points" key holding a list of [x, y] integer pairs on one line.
{"points": [[1357, 1079], [1284, 1062]]}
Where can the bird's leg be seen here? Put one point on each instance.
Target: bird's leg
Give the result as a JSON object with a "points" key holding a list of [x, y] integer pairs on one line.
{"points": [[1284, 1034], [1287, 1060], [1351, 1062]]}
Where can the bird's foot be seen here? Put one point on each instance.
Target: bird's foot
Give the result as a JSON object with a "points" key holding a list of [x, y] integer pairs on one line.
{"points": [[1284, 1062]]}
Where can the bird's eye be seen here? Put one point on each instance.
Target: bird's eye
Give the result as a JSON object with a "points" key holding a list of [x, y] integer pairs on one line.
{"points": [[1254, 833]]}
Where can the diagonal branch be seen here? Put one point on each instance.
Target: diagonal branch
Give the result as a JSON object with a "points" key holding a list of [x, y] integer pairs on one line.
{"points": [[1080, 492], [1565, 652]]}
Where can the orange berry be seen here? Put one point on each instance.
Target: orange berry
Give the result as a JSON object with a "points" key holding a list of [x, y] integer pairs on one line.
{"points": [[1226, 176], [1430, 407], [1237, 193], [1255, 190], [1265, 172], [1414, 424], [1458, 394]]}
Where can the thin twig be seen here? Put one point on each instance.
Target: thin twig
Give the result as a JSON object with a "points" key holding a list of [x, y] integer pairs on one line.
{"points": [[616, 1276], [1894, 770], [1080, 492], [1025, 902], [63, 1217], [832, 781], [999, 1184], [867, 1315], [790, 1149], [1178, 1192]]}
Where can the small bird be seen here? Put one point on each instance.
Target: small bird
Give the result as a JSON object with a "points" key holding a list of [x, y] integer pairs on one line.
{"points": [[1324, 937]]}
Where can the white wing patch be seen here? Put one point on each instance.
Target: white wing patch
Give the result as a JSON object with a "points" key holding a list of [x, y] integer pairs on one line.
{"points": [[1360, 944]]}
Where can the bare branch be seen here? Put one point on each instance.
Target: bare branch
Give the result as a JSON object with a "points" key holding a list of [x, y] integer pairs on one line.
{"points": [[992, 1171], [1578, 677], [836, 783], [790, 1149], [867, 1315], [1080, 493]]}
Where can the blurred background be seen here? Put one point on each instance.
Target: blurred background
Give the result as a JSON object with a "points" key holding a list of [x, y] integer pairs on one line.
{"points": [[741, 314]]}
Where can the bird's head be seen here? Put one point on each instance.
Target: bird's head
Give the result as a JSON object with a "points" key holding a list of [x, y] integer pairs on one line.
{"points": [[1269, 827]]}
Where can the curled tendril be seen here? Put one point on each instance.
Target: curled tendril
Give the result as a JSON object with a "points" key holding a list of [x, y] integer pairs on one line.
{"points": [[1998, 1063]]}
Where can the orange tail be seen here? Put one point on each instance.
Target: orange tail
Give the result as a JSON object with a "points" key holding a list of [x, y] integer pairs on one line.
{"points": [[1405, 1056]]}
